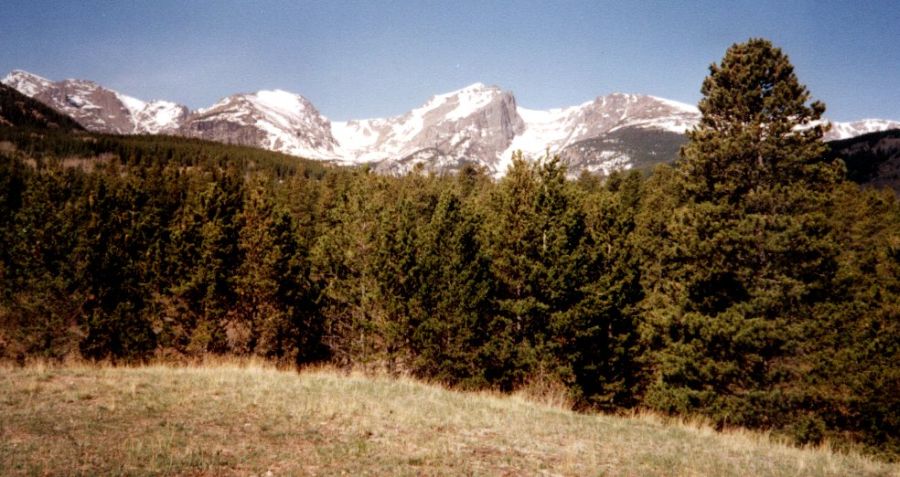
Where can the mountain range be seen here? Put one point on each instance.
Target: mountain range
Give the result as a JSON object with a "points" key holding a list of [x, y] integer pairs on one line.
{"points": [[479, 124]]}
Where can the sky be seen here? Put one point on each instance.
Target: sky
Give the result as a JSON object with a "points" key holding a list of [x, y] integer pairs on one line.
{"points": [[365, 59]]}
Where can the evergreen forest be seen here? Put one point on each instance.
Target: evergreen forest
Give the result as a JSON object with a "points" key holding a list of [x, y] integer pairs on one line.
{"points": [[750, 282]]}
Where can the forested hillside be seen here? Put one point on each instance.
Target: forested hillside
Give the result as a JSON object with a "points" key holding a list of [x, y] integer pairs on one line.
{"points": [[749, 282], [872, 159]]}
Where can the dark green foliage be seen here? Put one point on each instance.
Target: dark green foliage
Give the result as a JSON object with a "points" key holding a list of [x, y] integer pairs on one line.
{"points": [[134, 248], [752, 255], [854, 380], [210, 239], [536, 239], [42, 306], [871, 159], [342, 269], [451, 306], [603, 342], [275, 315]]}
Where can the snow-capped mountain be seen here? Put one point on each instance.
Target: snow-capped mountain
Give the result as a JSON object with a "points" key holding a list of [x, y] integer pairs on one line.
{"points": [[478, 124], [858, 128], [475, 123], [274, 120], [26, 83], [483, 124], [19, 111], [155, 117], [568, 131], [98, 108]]}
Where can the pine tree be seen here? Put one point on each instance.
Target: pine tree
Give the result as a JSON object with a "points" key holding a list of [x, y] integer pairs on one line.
{"points": [[342, 269], [113, 240], [44, 306], [748, 251], [275, 315], [451, 303], [409, 203], [853, 349], [206, 242], [13, 180], [535, 229], [601, 338]]}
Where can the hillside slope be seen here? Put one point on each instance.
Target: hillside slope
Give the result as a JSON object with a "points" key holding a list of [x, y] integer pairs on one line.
{"points": [[18, 110], [872, 159], [229, 420]]}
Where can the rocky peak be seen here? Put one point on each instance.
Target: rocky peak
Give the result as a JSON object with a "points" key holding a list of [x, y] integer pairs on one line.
{"points": [[26, 83], [479, 124], [98, 108], [93, 106], [477, 121], [276, 120]]}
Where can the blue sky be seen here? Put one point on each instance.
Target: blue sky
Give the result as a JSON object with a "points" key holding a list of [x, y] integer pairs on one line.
{"points": [[374, 59]]}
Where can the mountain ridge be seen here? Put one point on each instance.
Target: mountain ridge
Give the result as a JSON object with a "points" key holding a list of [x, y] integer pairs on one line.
{"points": [[478, 124], [20, 111]]}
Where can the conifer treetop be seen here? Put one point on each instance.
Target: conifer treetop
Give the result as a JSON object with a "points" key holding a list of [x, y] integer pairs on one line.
{"points": [[755, 83]]}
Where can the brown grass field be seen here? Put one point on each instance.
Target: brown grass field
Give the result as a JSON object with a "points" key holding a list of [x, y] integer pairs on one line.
{"points": [[252, 419]]}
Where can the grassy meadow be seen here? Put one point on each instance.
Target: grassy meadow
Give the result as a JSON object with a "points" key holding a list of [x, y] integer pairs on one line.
{"points": [[252, 419]]}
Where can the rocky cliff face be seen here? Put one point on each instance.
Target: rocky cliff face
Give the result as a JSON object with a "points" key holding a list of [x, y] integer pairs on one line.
{"points": [[607, 133], [98, 108], [475, 123], [95, 108], [274, 120], [20, 111]]}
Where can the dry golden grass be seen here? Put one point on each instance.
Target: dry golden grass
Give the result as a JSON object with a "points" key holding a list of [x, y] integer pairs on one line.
{"points": [[248, 418]]}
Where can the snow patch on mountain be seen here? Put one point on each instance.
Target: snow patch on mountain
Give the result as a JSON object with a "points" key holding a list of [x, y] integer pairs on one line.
{"points": [[467, 101], [677, 106], [546, 131], [357, 139], [450, 124], [159, 117], [280, 105], [552, 131], [844, 130], [26, 83], [276, 120], [133, 105]]}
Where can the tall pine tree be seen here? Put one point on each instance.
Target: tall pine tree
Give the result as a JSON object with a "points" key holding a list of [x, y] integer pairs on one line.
{"points": [[749, 253]]}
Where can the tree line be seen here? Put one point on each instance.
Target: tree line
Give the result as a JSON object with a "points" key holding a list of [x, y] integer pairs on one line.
{"points": [[748, 282]]}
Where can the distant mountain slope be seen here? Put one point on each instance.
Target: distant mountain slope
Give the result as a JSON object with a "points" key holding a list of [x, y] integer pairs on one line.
{"points": [[100, 109], [872, 159], [483, 125], [629, 147], [274, 120], [479, 124], [476, 123], [17, 109], [852, 129]]}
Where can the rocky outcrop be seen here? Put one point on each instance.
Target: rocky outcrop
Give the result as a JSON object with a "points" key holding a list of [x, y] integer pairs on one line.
{"points": [[274, 120], [97, 108]]}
